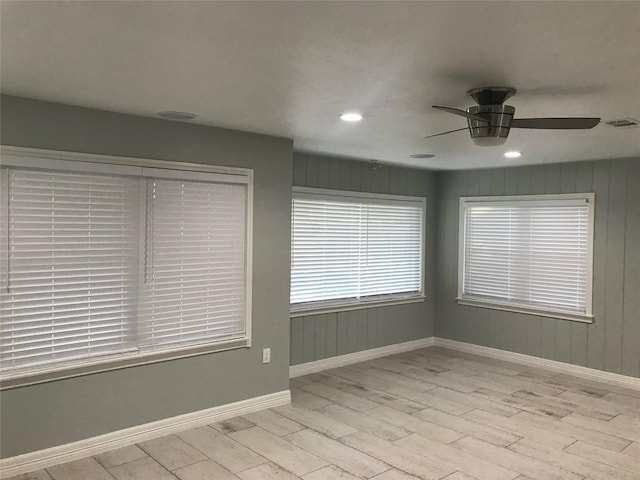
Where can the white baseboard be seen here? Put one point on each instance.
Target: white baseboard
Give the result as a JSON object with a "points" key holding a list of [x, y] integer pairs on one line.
{"points": [[356, 357], [560, 367], [553, 365], [32, 461]]}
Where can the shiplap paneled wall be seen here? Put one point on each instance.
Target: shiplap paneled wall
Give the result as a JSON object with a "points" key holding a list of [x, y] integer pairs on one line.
{"points": [[612, 342], [315, 337]]}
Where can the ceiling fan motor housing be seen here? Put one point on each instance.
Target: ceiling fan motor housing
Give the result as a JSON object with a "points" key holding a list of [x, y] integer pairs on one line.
{"points": [[496, 129]]}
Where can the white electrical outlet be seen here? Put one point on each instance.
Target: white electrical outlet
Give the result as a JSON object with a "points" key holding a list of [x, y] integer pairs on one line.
{"points": [[266, 355]]}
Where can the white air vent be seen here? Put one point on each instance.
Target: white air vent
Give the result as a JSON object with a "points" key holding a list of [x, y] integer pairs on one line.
{"points": [[624, 122]]}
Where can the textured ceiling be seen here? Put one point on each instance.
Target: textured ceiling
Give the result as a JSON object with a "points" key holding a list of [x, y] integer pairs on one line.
{"points": [[289, 68]]}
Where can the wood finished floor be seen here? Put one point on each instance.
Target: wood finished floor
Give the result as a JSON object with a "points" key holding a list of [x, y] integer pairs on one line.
{"points": [[429, 414]]}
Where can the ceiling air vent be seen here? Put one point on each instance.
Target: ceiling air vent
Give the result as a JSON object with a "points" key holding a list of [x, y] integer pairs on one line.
{"points": [[624, 122]]}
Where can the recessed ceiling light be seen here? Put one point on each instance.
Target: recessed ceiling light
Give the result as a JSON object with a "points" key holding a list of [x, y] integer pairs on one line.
{"points": [[513, 154], [422, 155], [351, 117], [169, 115]]}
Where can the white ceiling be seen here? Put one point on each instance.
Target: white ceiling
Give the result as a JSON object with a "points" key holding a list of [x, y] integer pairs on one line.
{"points": [[289, 68]]}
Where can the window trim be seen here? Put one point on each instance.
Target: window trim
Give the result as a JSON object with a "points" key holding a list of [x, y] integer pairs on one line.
{"points": [[461, 299], [88, 162], [342, 305]]}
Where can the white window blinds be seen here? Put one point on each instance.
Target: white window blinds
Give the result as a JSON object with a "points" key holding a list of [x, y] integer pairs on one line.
{"points": [[529, 253], [194, 286], [70, 266], [114, 266], [348, 248]]}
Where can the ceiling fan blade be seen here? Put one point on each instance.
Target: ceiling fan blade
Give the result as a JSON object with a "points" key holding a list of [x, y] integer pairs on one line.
{"points": [[450, 131], [461, 113], [569, 123]]}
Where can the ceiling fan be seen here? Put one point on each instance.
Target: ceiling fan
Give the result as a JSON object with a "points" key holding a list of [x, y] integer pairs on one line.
{"points": [[489, 122]]}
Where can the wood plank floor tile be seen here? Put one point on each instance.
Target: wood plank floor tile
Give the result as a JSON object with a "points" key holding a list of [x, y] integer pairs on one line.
{"points": [[525, 400], [279, 451], [488, 433], [481, 382], [37, 475], [525, 464], [359, 378], [459, 460], [520, 428], [522, 383], [330, 473], [433, 379], [594, 387], [605, 408], [80, 470], [588, 435], [366, 423], [347, 458], [143, 469], [583, 466], [395, 474], [340, 396], [232, 425], [222, 449], [627, 420], [316, 421], [267, 471], [119, 456], [303, 399], [427, 399], [464, 476], [400, 375], [274, 423], [421, 361], [580, 385], [401, 458], [172, 452], [206, 470], [557, 406], [387, 398], [633, 449], [475, 401], [417, 425], [618, 426], [602, 455], [620, 399]]}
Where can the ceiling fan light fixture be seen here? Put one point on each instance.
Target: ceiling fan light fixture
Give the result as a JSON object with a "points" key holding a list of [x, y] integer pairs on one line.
{"points": [[351, 117], [489, 141], [513, 154]]}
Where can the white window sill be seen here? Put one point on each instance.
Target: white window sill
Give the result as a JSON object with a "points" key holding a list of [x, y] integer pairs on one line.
{"points": [[507, 307], [345, 307], [49, 373]]}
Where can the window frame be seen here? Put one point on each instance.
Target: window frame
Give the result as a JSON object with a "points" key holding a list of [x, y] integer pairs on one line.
{"points": [[342, 305], [21, 157], [461, 299]]}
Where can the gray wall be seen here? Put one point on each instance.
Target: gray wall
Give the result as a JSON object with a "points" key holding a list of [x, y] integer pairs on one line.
{"points": [[612, 342], [59, 412], [315, 337]]}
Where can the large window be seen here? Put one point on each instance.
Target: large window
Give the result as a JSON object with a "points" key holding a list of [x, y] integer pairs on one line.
{"points": [[104, 262], [527, 253], [352, 249]]}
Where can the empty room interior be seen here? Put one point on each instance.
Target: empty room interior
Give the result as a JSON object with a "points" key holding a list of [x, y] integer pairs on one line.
{"points": [[320, 240]]}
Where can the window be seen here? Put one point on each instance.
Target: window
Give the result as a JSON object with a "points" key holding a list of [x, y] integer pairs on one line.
{"points": [[351, 249], [531, 254], [105, 262]]}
